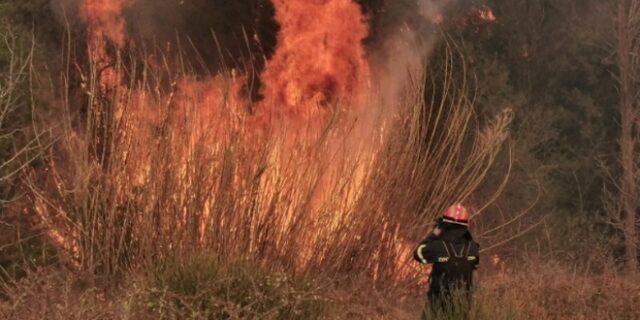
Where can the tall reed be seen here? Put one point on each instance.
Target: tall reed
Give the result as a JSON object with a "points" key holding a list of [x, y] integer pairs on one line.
{"points": [[165, 164]]}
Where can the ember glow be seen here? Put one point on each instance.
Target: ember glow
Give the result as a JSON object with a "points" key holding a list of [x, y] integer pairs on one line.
{"points": [[478, 15], [486, 14]]}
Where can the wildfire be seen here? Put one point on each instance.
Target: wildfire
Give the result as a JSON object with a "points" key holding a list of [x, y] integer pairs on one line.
{"points": [[105, 25], [319, 62], [320, 59], [104, 20], [181, 163]]}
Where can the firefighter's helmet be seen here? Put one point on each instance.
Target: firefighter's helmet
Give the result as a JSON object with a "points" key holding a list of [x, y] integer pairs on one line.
{"points": [[456, 214]]}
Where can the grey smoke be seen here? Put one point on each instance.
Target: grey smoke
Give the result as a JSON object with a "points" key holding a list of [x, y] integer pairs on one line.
{"points": [[405, 49], [66, 11], [431, 8], [187, 28], [401, 46]]}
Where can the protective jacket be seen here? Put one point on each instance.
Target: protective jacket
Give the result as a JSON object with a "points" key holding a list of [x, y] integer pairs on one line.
{"points": [[454, 256]]}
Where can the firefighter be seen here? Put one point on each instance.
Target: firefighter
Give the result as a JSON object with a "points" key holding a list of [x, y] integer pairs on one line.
{"points": [[455, 255]]}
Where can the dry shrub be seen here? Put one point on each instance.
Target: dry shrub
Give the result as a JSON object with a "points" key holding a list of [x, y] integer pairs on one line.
{"points": [[202, 288], [21, 242], [52, 294], [537, 289], [546, 289], [190, 289], [157, 170]]}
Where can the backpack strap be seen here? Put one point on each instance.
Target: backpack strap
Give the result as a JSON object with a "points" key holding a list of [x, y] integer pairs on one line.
{"points": [[451, 249], [446, 247]]}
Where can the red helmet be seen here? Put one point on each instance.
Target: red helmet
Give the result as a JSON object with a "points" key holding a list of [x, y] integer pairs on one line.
{"points": [[456, 214]]}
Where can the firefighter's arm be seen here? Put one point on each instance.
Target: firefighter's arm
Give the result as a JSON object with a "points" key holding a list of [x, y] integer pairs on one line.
{"points": [[426, 251], [475, 253]]}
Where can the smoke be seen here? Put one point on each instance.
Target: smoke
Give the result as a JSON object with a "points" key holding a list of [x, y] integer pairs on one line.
{"points": [[66, 11], [242, 35], [406, 44], [220, 33], [432, 8]]}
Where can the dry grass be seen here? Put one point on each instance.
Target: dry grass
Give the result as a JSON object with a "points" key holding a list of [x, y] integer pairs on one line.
{"points": [[148, 172], [52, 294], [195, 289], [201, 289], [154, 170], [548, 290], [20, 147], [536, 289]]}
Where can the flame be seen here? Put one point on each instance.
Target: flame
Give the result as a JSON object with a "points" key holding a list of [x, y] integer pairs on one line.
{"points": [[319, 63], [438, 19], [105, 21], [478, 15], [320, 59], [486, 14], [105, 25]]}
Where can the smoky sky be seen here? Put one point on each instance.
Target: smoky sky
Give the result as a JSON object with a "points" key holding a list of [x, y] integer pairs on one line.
{"points": [[242, 33], [232, 32], [246, 29], [217, 32]]}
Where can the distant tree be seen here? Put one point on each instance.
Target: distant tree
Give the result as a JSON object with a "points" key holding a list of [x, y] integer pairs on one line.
{"points": [[627, 50], [15, 60], [542, 58], [21, 144]]}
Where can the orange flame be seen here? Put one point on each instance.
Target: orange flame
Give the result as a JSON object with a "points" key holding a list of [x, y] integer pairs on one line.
{"points": [[105, 24], [486, 14], [104, 20], [320, 59]]}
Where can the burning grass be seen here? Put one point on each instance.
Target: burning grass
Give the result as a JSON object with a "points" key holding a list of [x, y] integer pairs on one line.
{"points": [[157, 172], [153, 163], [153, 159], [168, 195]]}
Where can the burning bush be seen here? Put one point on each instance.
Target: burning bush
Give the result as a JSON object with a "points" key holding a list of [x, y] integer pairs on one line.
{"points": [[330, 173]]}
